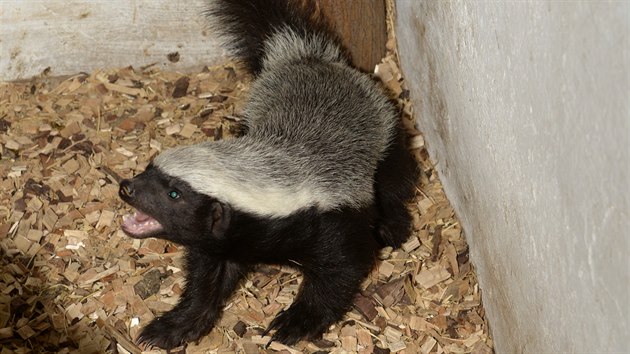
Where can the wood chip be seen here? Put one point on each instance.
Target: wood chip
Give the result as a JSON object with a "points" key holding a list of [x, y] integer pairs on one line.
{"points": [[397, 346], [366, 307], [411, 245], [173, 129], [123, 89], [428, 345], [430, 277], [89, 278], [105, 219], [6, 333], [188, 130], [26, 332], [386, 269]]}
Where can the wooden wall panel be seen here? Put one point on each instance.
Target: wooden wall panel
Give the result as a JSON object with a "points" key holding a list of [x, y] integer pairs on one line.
{"points": [[362, 27]]}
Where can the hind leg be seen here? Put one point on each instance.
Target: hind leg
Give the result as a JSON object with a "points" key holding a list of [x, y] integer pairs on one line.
{"points": [[333, 272], [323, 300], [395, 184]]}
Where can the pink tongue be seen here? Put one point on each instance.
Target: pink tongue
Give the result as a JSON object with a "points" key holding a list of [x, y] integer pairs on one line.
{"points": [[140, 224], [141, 217]]}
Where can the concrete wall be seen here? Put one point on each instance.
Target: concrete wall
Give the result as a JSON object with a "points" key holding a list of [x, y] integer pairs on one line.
{"points": [[525, 109], [82, 35]]}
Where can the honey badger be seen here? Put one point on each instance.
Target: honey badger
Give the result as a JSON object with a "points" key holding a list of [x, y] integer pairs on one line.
{"points": [[319, 181]]}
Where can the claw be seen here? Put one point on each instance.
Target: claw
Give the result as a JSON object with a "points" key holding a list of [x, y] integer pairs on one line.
{"points": [[276, 337], [140, 340], [273, 324], [266, 331], [268, 344], [143, 341]]}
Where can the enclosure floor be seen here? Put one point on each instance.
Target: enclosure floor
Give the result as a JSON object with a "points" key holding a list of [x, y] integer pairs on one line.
{"points": [[72, 282]]}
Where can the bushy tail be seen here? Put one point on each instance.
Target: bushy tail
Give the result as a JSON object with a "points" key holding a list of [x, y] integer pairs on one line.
{"points": [[263, 33]]}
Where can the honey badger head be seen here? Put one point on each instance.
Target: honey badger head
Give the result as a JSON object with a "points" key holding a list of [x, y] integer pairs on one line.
{"points": [[168, 208]]}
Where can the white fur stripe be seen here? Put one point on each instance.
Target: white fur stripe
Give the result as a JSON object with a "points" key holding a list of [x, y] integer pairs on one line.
{"points": [[245, 184]]}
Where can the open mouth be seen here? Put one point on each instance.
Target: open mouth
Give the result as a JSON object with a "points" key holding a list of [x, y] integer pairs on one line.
{"points": [[141, 225]]}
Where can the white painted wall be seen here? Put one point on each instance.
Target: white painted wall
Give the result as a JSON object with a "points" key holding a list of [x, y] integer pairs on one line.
{"points": [[525, 107], [81, 35]]}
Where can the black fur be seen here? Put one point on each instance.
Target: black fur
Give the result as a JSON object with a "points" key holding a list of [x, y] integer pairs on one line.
{"points": [[395, 186], [334, 250], [247, 24]]}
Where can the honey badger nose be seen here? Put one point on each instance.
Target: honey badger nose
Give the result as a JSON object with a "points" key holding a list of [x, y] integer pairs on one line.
{"points": [[126, 189]]}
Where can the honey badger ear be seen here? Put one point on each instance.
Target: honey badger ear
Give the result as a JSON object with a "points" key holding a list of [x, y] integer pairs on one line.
{"points": [[219, 218]]}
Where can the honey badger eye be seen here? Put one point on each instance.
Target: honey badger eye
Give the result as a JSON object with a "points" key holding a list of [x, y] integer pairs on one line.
{"points": [[174, 194]]}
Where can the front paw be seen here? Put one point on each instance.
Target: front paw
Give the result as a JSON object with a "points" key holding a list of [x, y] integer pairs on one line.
{"points": [[166, 332], [297, 323]]}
